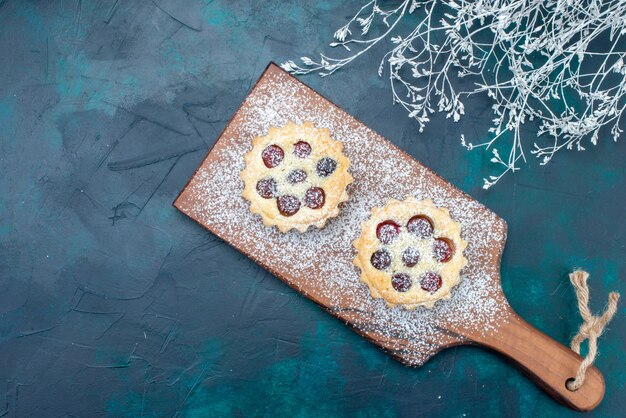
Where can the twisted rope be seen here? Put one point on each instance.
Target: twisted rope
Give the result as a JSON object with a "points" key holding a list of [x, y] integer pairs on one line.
{"points": [[591, 328]]}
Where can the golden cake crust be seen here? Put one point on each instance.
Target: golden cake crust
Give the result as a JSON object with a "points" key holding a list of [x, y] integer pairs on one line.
{"points": [[321, 146], [380, 281]]}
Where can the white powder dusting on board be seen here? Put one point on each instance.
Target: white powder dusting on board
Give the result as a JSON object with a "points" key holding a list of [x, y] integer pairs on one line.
{"points": [[325, 255]]}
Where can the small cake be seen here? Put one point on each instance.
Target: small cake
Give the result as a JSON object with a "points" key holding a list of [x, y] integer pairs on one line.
{"points": [[410, 253], [296, 176]]}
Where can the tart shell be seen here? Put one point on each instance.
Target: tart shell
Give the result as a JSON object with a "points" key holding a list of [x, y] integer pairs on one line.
{"points": [[334, 185], [379, 281]]}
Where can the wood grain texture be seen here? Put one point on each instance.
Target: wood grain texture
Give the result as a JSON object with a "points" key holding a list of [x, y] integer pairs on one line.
{"points": [[548, 362]]}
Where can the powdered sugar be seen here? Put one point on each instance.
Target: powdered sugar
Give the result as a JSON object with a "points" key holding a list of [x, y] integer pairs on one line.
{"points": [[320, 261]]}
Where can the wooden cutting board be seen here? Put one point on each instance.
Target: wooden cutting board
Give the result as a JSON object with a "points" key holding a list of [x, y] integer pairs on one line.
{"points": [[318, 263]]}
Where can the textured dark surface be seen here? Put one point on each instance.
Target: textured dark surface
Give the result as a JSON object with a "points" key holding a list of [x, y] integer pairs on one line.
{"points": [[113, 303]]}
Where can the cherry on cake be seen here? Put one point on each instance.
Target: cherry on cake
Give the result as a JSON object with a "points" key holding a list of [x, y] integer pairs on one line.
{"points": [[296, 176]]}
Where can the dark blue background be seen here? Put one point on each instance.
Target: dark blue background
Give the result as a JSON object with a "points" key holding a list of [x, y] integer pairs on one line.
{"points": [[113, 303]]}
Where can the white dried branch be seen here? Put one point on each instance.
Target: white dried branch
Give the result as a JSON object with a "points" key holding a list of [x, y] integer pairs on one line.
{"points": [[531, 57]]}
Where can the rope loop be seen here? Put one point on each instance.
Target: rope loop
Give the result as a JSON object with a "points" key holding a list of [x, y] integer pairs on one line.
{"points": [[592, 326]]}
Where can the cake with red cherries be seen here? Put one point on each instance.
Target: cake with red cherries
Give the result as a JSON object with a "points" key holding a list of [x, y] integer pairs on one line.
{"points": [[410, 253], [296, 176]]}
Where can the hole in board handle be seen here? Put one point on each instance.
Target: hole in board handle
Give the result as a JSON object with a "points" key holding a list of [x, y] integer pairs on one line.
{"points": [[568, 382]]}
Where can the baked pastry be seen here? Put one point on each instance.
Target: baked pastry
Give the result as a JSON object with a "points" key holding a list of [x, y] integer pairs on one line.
{"points": [[410, 253], [296, 176]]}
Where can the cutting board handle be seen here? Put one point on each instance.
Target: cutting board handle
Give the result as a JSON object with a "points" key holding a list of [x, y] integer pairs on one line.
{"points": [[547, 361]]}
